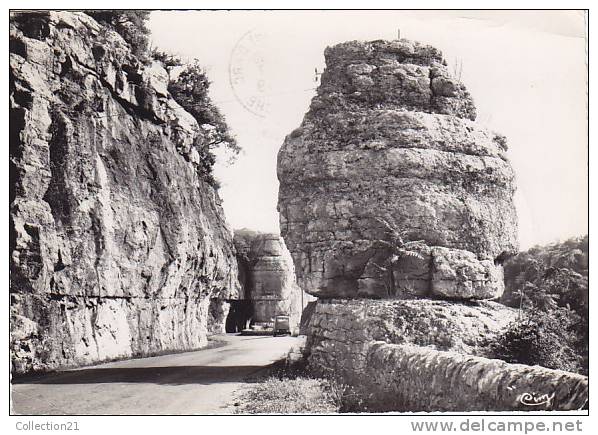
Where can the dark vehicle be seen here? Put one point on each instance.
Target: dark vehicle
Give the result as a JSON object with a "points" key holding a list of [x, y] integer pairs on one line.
{"points": [[281, 325]]}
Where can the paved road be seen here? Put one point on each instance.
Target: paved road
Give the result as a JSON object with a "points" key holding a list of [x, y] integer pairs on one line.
{"points": [[200, 382]]}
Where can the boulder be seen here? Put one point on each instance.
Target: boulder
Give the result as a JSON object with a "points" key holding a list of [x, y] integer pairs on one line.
{"points": [[391, 137], [459, 274]]}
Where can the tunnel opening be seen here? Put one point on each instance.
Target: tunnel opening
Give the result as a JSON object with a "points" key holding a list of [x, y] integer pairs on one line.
{"points": [[241, 311], [239, 316]]}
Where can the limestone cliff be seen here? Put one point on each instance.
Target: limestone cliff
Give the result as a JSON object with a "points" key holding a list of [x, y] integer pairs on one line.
{"points": [[118, 248], [391, 137], [267, 277]]}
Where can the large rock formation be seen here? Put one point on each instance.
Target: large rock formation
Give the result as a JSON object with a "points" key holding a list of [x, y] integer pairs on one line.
{"points": [[267, 277], [390, 141], [390, 189], [118, 247]]}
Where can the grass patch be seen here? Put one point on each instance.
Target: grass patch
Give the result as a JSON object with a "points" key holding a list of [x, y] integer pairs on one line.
{"points": [[289, 387], [288, 396]]}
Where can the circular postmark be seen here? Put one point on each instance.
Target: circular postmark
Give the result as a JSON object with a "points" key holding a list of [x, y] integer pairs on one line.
{"points": [[246, 72]]}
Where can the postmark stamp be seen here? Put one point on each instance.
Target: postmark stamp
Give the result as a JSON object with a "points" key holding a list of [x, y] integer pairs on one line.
{"points": [[247, 73]]}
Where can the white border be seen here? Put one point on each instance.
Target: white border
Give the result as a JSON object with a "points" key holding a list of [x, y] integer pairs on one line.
{"points": [[288, 425]]}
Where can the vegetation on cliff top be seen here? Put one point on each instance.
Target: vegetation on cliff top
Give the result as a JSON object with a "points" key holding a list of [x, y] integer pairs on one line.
{"points": [[190, 89], [130, 24], [189, 86]]}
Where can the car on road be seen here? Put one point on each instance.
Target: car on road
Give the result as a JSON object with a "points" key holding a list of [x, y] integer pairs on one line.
{"points": [[281, 325]]}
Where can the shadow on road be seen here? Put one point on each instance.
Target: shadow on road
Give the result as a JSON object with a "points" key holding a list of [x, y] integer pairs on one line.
{"points": [[176, 375]]}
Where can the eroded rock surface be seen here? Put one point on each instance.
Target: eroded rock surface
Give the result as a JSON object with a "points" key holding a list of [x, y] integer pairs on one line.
{"points": [[389, 189], [267, 277], [348, 327], [118, 248], [391, 135]]}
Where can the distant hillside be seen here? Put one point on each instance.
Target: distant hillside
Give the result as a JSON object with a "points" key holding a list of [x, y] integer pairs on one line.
{"points": [[550, 285], [559, 269]]}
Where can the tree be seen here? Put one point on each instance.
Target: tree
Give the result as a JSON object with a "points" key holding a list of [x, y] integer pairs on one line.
{"points": [[190, 89], [130, 24], [560, 270], [398, 248], [168, 61], [544, 338], [549, 284]]}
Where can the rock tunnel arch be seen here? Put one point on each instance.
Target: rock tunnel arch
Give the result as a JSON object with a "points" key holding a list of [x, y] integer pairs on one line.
{"points": [[268, 283]]}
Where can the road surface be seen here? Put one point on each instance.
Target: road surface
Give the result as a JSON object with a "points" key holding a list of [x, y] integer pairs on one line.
{"points": [[200, 382]]}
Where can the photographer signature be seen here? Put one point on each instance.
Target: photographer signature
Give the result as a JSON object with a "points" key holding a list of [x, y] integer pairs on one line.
{"points": [[534, 399]]}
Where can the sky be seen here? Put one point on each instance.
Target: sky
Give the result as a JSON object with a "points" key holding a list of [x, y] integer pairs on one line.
{"points": [[526, 72]]}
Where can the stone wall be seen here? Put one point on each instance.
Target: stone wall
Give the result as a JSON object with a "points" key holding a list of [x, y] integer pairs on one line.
{"points": [[428, 356], [411, 378], [118, 247]]}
